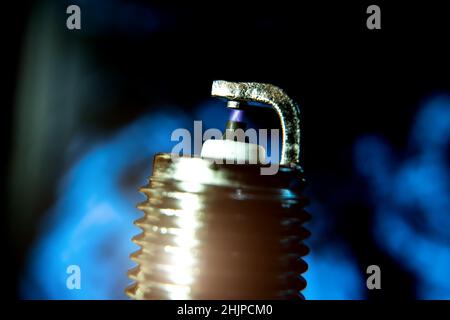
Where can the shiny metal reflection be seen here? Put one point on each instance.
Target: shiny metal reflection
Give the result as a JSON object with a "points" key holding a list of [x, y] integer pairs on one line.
{"points": [[214, 231]]}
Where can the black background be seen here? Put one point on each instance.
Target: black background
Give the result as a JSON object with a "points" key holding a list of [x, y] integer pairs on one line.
{"points": [[348, 80]]}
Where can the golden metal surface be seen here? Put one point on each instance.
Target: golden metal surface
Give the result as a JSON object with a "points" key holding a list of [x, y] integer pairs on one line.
{"points": [[219, 232], [224, 231]]}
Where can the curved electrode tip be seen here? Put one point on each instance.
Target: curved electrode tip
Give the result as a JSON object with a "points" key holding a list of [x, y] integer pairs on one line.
{"points": [[268, 94]]}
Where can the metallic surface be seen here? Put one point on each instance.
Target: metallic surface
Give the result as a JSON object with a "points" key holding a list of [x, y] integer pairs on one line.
{"points": [[225, 231], [220, 232], [285, 107]]}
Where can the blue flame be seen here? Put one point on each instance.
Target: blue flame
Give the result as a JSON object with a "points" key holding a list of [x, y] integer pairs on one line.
{"points": [[333, 275], [412, 198], [91, 223]]}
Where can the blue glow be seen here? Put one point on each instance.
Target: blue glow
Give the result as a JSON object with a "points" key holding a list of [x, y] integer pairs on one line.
{"points": [[333, 275], [411, 197], [91, 223]]}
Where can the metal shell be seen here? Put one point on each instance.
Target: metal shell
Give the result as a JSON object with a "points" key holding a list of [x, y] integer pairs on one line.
{"points": [[214, 231]]}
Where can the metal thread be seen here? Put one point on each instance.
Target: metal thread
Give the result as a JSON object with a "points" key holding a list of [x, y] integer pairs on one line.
{"points": [[220, 232]]}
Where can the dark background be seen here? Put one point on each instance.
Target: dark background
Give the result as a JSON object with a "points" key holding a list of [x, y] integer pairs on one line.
{"points": [[349, 82]]}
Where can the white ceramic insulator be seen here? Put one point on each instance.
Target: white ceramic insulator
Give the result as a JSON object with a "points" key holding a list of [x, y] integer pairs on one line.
{"points": [[234, 151]]}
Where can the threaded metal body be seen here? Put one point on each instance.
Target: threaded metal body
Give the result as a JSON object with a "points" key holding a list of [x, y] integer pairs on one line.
{"points": [[214, 231]]}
